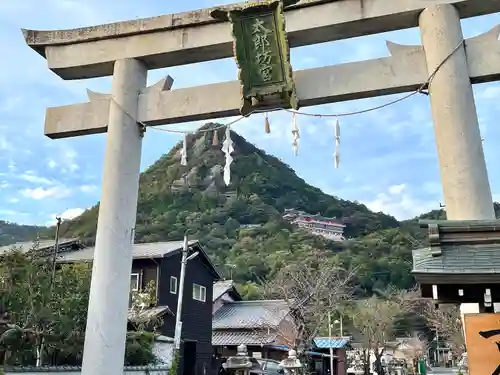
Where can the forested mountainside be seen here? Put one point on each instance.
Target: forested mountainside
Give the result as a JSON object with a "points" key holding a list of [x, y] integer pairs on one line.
{"points": [[12, 233], [241, 225]]}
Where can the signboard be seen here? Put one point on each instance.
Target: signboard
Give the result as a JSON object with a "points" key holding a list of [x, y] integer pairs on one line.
{"points": [[482, 332], [262, 54]]}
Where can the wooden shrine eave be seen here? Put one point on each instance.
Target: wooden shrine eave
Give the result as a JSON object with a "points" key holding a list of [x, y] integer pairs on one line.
{"points": [[458, 278], [191, 37], [457, 232], [459, 252]]}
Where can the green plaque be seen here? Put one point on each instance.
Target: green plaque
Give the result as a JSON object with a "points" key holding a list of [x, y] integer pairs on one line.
{"points": [[262, 54]]}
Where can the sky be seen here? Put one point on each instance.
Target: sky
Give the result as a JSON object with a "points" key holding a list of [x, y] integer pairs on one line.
{"points": [[388, 157]]}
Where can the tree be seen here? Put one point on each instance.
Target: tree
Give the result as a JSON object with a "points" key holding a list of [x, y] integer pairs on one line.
{"points": [[447, 321], [415, 347], [44, 311], [144, 300], [312, 290], [373, 318]]}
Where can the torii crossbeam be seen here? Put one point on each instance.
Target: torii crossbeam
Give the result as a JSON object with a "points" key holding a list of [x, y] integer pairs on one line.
{"points": [[127, 50], [404, 70]]}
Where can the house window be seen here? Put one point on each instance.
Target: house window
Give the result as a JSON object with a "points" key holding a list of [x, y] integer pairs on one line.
{"points": [[199, 293], [134, 282], [173, 284]]}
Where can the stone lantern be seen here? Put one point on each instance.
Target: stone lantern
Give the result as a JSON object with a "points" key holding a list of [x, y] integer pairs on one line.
{"points": [[292, 364], [240, 364]]}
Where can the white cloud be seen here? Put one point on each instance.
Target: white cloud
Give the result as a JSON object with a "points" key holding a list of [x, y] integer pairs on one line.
{"points": [[41, 193], [397, 189], [496, 198], [69, 160], [72, 213], [69, 214], [398, 202], [376, 147], [30, 176]]}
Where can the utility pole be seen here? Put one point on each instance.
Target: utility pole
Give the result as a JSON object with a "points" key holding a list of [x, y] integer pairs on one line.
{"points": [[178, 322], [56, 250], [40, 347], [180, 296], [330, 339], [437, 346]]}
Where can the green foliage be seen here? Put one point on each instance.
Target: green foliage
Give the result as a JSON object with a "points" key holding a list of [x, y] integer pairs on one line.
{"points": [[145, 299], [45, 309], [11, 233], [174, 367], [241, 226], [139, 349]]}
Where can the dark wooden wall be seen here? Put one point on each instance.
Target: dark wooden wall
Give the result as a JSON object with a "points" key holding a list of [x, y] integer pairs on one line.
{"points": [[196, 315], [147, 269]]}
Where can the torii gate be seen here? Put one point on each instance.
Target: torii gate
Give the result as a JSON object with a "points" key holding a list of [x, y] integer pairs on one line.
{"points": [[128, 49]]}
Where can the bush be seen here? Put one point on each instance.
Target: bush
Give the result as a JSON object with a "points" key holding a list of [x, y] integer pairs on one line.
{"points": [[139, 349], [174, 367]]}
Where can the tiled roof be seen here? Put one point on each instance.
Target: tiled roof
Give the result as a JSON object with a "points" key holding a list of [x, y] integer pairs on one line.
{"points": [[461, 259], [42, 245], [142, 316], [334, 342], [253, 337], [250, 314], [221, 287], [141, 250]]}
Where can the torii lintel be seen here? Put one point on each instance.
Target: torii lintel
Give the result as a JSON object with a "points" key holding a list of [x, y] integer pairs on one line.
{"points": [[195, 36], [404, 70]]}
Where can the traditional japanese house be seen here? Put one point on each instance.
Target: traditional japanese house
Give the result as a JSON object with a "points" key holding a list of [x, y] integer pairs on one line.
{"points": [[160, 263], [224, 291], [264, 326]]}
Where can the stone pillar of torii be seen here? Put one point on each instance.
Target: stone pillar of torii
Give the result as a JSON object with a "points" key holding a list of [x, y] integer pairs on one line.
{"points": [[127, 50]]}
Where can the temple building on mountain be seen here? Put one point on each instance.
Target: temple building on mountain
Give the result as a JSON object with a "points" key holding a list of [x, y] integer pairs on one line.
{"points": [[327, 227]]}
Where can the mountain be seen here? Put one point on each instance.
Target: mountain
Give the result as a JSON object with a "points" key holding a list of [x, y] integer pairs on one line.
{"points": [[259, 181], [241, 225], [11, 233]]}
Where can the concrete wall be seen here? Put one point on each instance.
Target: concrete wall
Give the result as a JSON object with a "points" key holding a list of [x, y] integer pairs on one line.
{"points": [[77, 371], [163, 349]]}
